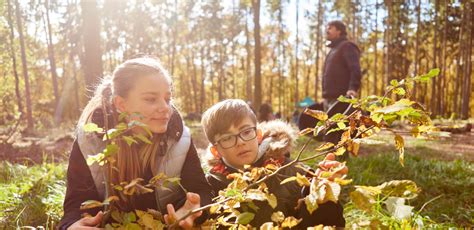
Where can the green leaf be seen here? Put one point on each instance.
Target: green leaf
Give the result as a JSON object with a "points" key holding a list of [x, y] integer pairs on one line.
{"points": [[111, 149], [129, 217], [92, 127], [394, 82], [399, 91], [129, 140], [341, 125], [245, 218], [143, 138]]}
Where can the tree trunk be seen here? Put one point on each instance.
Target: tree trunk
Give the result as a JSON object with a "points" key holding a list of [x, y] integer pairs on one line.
{"points": [[52, 60], [13, 56], [258, 80], [318, 48], [92, 65], [468, 64], [435, 55], [249, 57], [376, 38], [417, 44], [29, 113], [296, 56]]}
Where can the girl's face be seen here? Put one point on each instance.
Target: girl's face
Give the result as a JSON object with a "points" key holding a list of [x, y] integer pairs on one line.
{"points": [[148, 102]]}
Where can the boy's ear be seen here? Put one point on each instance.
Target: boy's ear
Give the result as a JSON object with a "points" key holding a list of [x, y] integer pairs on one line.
{"points": [[259, 135], [214, 152]]}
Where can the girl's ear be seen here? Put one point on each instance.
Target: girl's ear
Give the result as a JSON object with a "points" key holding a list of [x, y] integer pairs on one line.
{"points": [[214, 152], [119, 103], [259, 135]]}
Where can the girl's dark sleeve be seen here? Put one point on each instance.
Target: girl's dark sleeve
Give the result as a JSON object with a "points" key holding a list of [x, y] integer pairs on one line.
{"points": [[193, 179], [80, 187]]}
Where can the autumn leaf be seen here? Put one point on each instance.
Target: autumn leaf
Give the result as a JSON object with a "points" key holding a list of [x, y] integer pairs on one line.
{"points": [[302, 180], [245, 218], [340, 151], [325, 146], [400, 145], [318, 114], [278, 217], [255, 194], [306, 131], [342, 181], [290, 222], [91, 204], [311, 202], [400, 188], [288, 180], [272, 200]]}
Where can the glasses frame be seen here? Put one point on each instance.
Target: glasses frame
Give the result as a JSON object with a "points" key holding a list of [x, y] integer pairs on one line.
{"points": [[218, 142]]}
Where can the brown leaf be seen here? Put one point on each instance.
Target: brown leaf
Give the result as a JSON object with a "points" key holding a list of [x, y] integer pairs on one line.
{"points": [[318, 114]]}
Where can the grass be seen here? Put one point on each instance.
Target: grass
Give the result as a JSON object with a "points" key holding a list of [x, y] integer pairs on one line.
{"points": [[31, 196], [452, 179]]}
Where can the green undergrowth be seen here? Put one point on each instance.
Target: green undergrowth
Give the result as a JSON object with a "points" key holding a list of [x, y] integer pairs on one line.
{"points": [[31, 195]]}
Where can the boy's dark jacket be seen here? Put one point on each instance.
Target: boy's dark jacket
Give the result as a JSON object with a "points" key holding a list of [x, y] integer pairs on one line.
{"points": [[81, 186], [277, 143]]}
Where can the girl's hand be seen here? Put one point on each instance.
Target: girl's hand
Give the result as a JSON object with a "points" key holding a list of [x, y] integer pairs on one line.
{"points": [[89, 223], [193, 201]]}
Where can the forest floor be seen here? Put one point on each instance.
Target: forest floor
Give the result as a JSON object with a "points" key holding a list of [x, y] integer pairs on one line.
{"points": [[32, 175]]}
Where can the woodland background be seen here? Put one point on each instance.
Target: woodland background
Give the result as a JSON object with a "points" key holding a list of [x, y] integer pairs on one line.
{"points": [[262, 51], [53, 52]]}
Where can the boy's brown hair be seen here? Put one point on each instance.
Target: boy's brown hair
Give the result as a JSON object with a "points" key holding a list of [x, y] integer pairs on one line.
{"points": [[221, 116]]}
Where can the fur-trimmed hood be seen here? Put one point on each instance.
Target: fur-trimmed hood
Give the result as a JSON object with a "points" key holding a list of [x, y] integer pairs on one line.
{"points": [[278, 139]]}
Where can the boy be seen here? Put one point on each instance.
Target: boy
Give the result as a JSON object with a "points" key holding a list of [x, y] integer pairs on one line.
{"points": [[231, 128]]}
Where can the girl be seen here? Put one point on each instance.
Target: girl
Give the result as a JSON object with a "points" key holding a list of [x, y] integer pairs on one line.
{"points": [[138, 86]]}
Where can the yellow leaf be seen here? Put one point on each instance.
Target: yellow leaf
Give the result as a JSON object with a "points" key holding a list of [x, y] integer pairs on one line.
{"points": [[306, 131], [288, 180], [400, 145], [340, 151], [272, 200], [91, 204], [311, 202], [342, 181], [290, 222], [325, 146], [278, 217], [318, 114], [268, 226], [345, 136], [302, 180]]}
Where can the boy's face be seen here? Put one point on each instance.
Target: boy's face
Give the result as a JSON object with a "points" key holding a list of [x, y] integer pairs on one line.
{"points": [[243, 152]]}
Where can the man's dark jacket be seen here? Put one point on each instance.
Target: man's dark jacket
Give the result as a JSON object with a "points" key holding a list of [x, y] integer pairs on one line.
{"points": [[341, 70]]}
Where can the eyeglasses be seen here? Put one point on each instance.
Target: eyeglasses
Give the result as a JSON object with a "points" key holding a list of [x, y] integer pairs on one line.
{"points": [[231, 140]]}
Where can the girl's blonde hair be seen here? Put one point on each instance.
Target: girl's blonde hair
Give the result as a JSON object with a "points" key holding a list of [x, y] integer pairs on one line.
{"points": [[130, 162]]}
